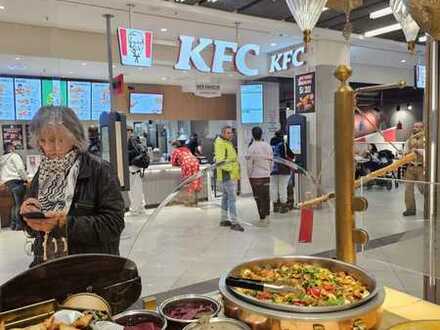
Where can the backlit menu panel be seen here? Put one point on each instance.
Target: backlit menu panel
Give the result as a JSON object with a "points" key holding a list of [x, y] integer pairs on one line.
{"points": [[79, 97], [100, 99], [7, 110], [27, 97]]}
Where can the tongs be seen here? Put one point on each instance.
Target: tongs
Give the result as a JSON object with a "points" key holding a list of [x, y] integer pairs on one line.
{"points": [[260, 285]]}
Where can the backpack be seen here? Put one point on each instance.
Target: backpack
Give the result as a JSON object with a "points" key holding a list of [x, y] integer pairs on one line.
{"points": [[141, 160]]}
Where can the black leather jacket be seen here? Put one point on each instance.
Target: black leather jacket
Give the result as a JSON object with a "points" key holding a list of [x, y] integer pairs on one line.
{"points": [[96, 216]]}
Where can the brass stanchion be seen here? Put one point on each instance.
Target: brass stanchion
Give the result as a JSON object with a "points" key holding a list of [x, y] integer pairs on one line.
{"points": [[344, 168]]}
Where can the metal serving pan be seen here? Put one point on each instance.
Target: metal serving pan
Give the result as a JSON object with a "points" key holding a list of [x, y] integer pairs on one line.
{"points": [[333, 265]]}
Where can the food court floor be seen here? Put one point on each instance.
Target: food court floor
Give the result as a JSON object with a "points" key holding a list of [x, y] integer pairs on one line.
{"points": [[184, 246]]}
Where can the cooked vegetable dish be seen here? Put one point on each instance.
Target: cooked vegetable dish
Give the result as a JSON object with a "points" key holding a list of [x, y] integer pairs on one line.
{"points": [[318, 286]]}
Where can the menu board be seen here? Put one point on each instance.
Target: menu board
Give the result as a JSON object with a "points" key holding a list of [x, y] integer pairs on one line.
{"points": [[13, 134], [79, 97], [305, 92], [251, 101], [100, 99], [54, 92], [7, 99], [27, 97]]}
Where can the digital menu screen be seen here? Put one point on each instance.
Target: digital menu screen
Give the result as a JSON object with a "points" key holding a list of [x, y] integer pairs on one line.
{"points": [[251, 97], [295, 139], [54, 92], [100, 99], [420, 76], [142, 103], [79, 97], [27, 97], [7, 111]]}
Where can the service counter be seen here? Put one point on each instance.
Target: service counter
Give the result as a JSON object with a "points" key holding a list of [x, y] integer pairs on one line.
{"points": [[161, 179]]}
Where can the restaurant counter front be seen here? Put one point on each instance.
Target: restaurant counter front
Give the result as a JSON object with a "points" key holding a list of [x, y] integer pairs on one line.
{"points": [[162, 179]]}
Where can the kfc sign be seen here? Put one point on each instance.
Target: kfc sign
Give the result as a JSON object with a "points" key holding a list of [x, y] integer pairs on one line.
{"points": [[135, 47], [190, 55], [285, 60]]}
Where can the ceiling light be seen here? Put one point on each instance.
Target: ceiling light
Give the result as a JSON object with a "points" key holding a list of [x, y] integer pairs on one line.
{"points": [[403, 61], [18, 58], [423, 38], [17, 67], [381, 13], [409, 107], [164, 78], [2, 7], [163, 29], [383, 30], [273, 44], [70, 72], [84, 63]]}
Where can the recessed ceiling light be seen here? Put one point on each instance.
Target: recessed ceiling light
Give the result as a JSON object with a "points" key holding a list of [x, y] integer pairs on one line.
{"points": [[383, 30], [70, 72], [403, 61], [2, 7], [409, 107], [164, 78], [163, 29], [84, 63], [381, 13], [423, 38], [273, 44], [18, 58], [17, 67]]}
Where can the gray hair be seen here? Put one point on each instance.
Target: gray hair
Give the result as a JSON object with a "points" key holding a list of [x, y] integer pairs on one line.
{"points": [[58, 116]]}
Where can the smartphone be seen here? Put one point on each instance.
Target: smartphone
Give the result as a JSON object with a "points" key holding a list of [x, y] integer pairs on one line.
{"points": [[34, 215]]}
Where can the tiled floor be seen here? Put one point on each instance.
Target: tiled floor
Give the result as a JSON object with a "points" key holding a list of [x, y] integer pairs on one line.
{"points": [[183, 246]]}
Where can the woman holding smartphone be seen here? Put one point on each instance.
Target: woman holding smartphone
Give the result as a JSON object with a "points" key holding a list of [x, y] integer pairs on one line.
{"points": [[74, 205]]}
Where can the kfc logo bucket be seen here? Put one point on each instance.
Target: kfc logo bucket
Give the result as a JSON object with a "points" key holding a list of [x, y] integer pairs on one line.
{"points": [[135, 47]]}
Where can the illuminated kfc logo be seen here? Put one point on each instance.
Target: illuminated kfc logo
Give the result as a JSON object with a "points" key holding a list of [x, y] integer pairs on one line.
{"points": [[135, 47]]}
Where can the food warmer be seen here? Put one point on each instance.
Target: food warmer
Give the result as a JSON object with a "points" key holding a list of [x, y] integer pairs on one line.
{"points": [[261, 315]]}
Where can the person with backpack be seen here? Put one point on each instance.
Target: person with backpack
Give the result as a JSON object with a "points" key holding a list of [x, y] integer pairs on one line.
{"points": [[189, 165], [138, 161], [281, 173]]}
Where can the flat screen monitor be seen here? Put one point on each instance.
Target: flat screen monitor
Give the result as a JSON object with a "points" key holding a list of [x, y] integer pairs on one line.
{"points": [[420, 76], [54, 92], [251, 100], [7, 105], [295, 139], [27, 97], [146, 103], [100, 99], [79, 97]]}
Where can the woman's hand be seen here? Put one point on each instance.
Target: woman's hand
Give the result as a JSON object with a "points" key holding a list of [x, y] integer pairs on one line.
{"points": [[30, 205], [52, 220]]}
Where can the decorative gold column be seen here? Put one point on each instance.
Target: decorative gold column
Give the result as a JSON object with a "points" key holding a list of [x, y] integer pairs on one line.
{"points": [[344, 167]]}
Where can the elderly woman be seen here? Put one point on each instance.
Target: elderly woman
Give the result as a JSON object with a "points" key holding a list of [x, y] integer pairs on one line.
{"points": [[78, 193]]}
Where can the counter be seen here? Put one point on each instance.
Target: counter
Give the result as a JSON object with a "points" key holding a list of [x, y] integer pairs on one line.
{"points": [[160, 180]]}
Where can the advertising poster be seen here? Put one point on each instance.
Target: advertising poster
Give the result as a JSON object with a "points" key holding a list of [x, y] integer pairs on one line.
{"points": [[13, 134], [135, 47], [305, 96], [79, 97], [32, 164], [251, 100], [7, 105], [54, 92], [100, 99], [27, 97]]}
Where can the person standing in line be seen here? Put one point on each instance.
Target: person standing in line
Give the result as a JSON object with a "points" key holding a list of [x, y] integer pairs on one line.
{"points": [[281, 173], [259, 165], [14, 176], [415, 170], [189, 164], [228, 173], [94, 142], [136, 193]]}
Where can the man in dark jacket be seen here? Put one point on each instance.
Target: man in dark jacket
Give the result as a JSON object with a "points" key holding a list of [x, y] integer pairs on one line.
{"points": [[281, 173]]}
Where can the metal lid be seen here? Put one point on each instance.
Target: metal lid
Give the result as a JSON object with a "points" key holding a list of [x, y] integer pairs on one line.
{"points": [[224, 323], [111, 277]]}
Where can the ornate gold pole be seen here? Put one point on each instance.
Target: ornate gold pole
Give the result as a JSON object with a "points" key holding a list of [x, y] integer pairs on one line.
{"points": [[344, 168]]}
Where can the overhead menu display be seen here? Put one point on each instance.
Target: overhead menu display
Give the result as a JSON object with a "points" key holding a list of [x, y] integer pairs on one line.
{"points": [[7, 99], [100, 99], [54, 92], [27, 97], [251, 97], [79, 96], [142, 103]]}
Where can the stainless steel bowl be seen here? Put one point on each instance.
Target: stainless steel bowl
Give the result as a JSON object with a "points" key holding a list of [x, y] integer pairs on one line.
{"points": [[134, 317], [334, 265], [225, 323], [172, 302]]}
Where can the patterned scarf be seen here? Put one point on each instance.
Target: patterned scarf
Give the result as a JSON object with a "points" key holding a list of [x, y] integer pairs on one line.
{"points": [[52, 182], [56, 185]]}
